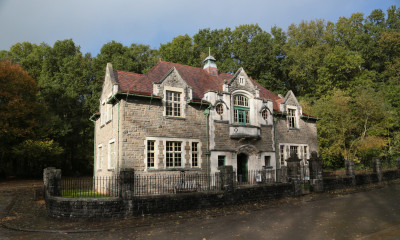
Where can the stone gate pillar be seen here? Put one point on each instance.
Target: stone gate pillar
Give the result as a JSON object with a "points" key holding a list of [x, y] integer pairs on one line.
{"points": [[377, 168], [126, 189], [349, 165], [226, 174], [316, 172], [293, 166], [52, 181]]}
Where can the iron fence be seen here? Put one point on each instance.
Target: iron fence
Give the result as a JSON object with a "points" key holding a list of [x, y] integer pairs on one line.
{"points": [[161, 183], [89, 187], [252, 177]]}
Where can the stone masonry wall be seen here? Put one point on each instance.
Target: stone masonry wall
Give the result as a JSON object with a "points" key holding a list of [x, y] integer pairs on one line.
{"points": [[142, 118]]}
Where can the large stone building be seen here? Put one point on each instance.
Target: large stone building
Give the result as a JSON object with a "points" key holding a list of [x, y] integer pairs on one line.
{"points": [[182, 118]]}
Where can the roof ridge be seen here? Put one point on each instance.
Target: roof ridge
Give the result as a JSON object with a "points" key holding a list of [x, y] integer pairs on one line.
{"points": [[128, 72]]}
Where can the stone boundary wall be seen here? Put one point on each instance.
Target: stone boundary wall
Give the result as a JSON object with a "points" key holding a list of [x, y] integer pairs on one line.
{"points": [[126, 204], [190, 201], [84, 208]]}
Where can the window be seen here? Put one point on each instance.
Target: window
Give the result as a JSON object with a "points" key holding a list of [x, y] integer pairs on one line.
{"points": [[295, 150], [150, 154], [220, 109], [267, 161], [305, 154], [241, 109], [264, 114], [282, 152], [221, 160], [173, 104], [99, 157], [109, 112], [195, 154], [241, 81], [292, 118], [174, 154], [111, 154]]}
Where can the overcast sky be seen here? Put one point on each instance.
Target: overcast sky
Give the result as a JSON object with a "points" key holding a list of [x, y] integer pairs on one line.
{"points": [[92, 23]]}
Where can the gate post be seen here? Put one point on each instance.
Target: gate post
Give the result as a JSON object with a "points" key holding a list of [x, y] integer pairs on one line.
{"points": [[316, 172], [377, 168], [126, 189], [226, 174], [52, 181]]}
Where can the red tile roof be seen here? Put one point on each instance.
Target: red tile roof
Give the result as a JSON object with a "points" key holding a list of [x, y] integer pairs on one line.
{"points": [[197, 78]]}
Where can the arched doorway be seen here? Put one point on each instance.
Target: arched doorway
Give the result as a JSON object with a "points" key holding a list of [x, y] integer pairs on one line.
{"points": [[242, 168]]}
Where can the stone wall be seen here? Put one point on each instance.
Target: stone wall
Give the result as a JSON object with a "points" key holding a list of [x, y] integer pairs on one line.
{"points": [[143, 118]]}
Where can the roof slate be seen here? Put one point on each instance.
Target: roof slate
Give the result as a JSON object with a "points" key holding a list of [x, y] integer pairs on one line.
{"points": [[197, 78]]}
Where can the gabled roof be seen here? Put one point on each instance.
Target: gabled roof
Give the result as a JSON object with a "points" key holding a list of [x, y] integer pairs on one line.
{"points": [[197, 78]]}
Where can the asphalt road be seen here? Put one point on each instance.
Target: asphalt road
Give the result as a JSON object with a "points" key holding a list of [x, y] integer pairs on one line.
{"points": [[371, 214]]}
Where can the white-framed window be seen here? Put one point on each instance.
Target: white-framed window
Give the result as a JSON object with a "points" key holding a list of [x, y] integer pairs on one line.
{"points": [[195, 154], [99, 157], [242, 81], [173, 106], [241, 110], [305, 157], [151, 154], [173, 154], [109, 112], [292, 118], [111, 154], [294, 149]]}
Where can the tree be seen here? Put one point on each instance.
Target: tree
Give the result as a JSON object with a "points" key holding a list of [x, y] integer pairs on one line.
{"points": [[181, 50], [20, 117]]}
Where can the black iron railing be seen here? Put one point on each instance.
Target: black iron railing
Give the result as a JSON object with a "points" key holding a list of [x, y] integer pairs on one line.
{"points": [[158, 184], [89, 187]]}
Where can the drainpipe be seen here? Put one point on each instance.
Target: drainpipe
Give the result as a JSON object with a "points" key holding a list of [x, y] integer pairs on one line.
{"points": [[276, 149], [94, 147], [207, 114]]}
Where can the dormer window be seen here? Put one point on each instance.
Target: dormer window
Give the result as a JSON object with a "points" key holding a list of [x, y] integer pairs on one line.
{"points": [[241, 110], [292, 118], [241, 81], [173, 104]]}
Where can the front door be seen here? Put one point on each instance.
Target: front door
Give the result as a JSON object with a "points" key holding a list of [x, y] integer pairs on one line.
{"points": [[242, 171]]}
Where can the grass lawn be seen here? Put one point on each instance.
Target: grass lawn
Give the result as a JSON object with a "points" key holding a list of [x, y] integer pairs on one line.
{"points": [[83, 194]]}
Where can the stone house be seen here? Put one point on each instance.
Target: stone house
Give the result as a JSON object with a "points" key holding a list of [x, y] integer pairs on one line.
{"points": [[181, 118]]}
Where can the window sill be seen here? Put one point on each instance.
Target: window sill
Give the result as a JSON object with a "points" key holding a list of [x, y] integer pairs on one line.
{"points": [[295, 129], [110, 170], [108, 121], [175, 118], [173, 169], [102, 125], [221, 121]]}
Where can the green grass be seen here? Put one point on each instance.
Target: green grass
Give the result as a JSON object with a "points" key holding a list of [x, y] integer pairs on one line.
{"points": [[82, 194]]}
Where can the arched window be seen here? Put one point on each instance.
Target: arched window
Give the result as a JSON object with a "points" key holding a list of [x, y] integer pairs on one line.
{"points": [[241, 109], [264, 114]]}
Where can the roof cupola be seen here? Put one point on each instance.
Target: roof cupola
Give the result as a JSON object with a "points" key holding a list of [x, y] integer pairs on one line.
{"points": [[209, 64]]}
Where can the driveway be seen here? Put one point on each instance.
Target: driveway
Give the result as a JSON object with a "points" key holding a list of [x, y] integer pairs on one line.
{"points": [[360, 214]]}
